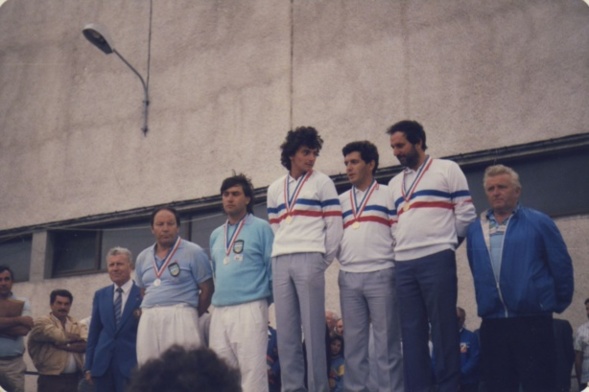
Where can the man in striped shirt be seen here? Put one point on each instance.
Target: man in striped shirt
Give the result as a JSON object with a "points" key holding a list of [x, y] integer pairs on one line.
{"points": [[305, 215], [367, 276], [432, 207]]}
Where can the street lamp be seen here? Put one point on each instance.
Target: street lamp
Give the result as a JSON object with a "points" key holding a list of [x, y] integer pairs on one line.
{"points": [[100, 38]]}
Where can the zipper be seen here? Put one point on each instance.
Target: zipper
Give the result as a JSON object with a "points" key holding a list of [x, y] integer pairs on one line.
{"points": [[501, 264]]}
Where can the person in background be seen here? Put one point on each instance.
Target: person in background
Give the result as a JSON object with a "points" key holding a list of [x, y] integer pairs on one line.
{"points": [[15, 324], [582, 352], [273, 361], [522, 274], [469, 356], [336, 364], [331, 318], [565, 354], [339, 327], [181, 369], [111, 351], [57, 344]]}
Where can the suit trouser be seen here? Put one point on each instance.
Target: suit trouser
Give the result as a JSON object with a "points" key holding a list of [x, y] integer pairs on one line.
{"points": [[299, 297], [58, 383], [427, 293], [239, 335], [161, 327], [113, 380], [519, 350], [370, 298]]}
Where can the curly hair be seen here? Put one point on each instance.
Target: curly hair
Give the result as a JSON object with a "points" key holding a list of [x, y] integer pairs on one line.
{"points": [[186, 370], [301, 136]]}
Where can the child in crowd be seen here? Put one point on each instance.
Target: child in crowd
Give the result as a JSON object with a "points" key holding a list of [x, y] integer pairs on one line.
{"points": [[336, 368]]}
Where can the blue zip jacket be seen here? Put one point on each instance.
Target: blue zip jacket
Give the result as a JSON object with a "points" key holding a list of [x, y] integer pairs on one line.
{"points": [[536, 275]]}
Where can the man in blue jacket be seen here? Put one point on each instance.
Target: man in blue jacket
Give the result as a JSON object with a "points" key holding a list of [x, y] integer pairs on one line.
{"points": [[522, 274], [110, 352]]}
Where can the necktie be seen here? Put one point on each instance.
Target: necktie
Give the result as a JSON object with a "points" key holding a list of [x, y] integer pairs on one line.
{"points": [[118, 306]]}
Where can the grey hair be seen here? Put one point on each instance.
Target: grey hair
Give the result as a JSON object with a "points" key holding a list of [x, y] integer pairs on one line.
{"points": [[497, 170], [118, 250]]}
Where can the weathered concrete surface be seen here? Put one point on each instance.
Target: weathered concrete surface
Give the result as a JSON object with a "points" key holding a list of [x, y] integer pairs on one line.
{"points": [[228, 79]]}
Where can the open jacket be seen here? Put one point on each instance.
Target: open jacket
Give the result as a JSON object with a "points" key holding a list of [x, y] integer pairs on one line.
{"points": [[48, 331], [536, 276]]}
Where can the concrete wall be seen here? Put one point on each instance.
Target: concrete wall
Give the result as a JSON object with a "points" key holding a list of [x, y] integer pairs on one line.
{"points": [[228, 79]]}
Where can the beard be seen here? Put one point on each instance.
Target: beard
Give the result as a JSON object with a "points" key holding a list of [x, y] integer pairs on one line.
{"points": [[411, 159]]}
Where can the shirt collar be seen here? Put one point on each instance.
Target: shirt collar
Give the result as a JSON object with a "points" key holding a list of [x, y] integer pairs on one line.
{"points": [[491, 216], [126, 287]]}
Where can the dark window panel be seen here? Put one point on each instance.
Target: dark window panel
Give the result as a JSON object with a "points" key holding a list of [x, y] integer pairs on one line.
{"points": [[75, 251], [557, 185], [16, 254]]}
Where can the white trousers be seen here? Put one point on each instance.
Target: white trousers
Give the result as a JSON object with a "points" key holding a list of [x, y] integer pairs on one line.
{"points": [[163, 326], [239, 335]]}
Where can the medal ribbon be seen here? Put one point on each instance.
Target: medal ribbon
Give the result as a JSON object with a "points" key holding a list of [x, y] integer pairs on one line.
{"points": [[229, 241], [407, 194], [358, 209], [160, 271], [289, 202]]}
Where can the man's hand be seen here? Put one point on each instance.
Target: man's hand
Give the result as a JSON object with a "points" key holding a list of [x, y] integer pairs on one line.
{"points": [[207, 288], [21, 326], [72, 337], [75, 347], [26, 321]]}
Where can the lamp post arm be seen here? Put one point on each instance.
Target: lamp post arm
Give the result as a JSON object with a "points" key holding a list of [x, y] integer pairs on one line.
{"points": [[145, 89]]}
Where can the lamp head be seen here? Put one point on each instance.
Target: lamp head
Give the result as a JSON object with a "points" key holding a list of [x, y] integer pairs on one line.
{"points": [[99, 37]]}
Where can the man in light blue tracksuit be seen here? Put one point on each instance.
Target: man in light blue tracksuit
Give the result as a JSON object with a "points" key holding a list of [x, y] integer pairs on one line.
{"points": [[522, 274]]}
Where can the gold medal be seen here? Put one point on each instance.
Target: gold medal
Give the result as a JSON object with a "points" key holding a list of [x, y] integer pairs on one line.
{"points": [[157, 282], [358, 209], [290, 202], [406, 206], [226, 260]]}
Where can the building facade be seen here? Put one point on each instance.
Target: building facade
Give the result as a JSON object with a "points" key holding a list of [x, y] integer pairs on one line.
{"points": [[501, 81]]}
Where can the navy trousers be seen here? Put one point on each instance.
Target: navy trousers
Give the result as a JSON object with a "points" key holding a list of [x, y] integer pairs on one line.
{"points": [[427, 293]]}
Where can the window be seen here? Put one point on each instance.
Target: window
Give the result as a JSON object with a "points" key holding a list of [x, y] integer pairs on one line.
{"points": [[83, 250], [557, 185], [133, 237], [16, 254], [75, 251]]}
